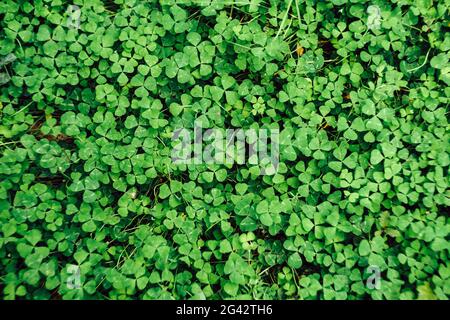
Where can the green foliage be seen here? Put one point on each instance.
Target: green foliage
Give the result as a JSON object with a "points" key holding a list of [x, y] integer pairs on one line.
{"points": [[86, 177]]}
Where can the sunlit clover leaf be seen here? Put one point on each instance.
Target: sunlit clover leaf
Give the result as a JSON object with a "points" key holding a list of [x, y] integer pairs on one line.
{"points": [[309, 63], [200, 54], [364, 248], [374, 124], [295, 261], [319, 146], [50, 48], [192, 54], [89, 196], [440, 61], [225, 246], [368, 107], [277, 48], [194, 38], [389, 149], [131, 122], [268, 211], [219, 173], [175, 67], [43, 33], [339, 153], [176, 108], [287, 149], [26, 199], [224, 84], [376, 157], [167, 190], [355, 70], [153, 114]]}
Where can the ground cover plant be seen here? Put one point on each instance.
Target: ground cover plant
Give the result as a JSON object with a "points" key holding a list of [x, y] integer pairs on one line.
{"points": [[92, 207]]}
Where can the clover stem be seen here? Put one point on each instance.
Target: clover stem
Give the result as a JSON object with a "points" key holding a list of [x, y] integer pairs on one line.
{"points": [[424, 62], [284, 19]]}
